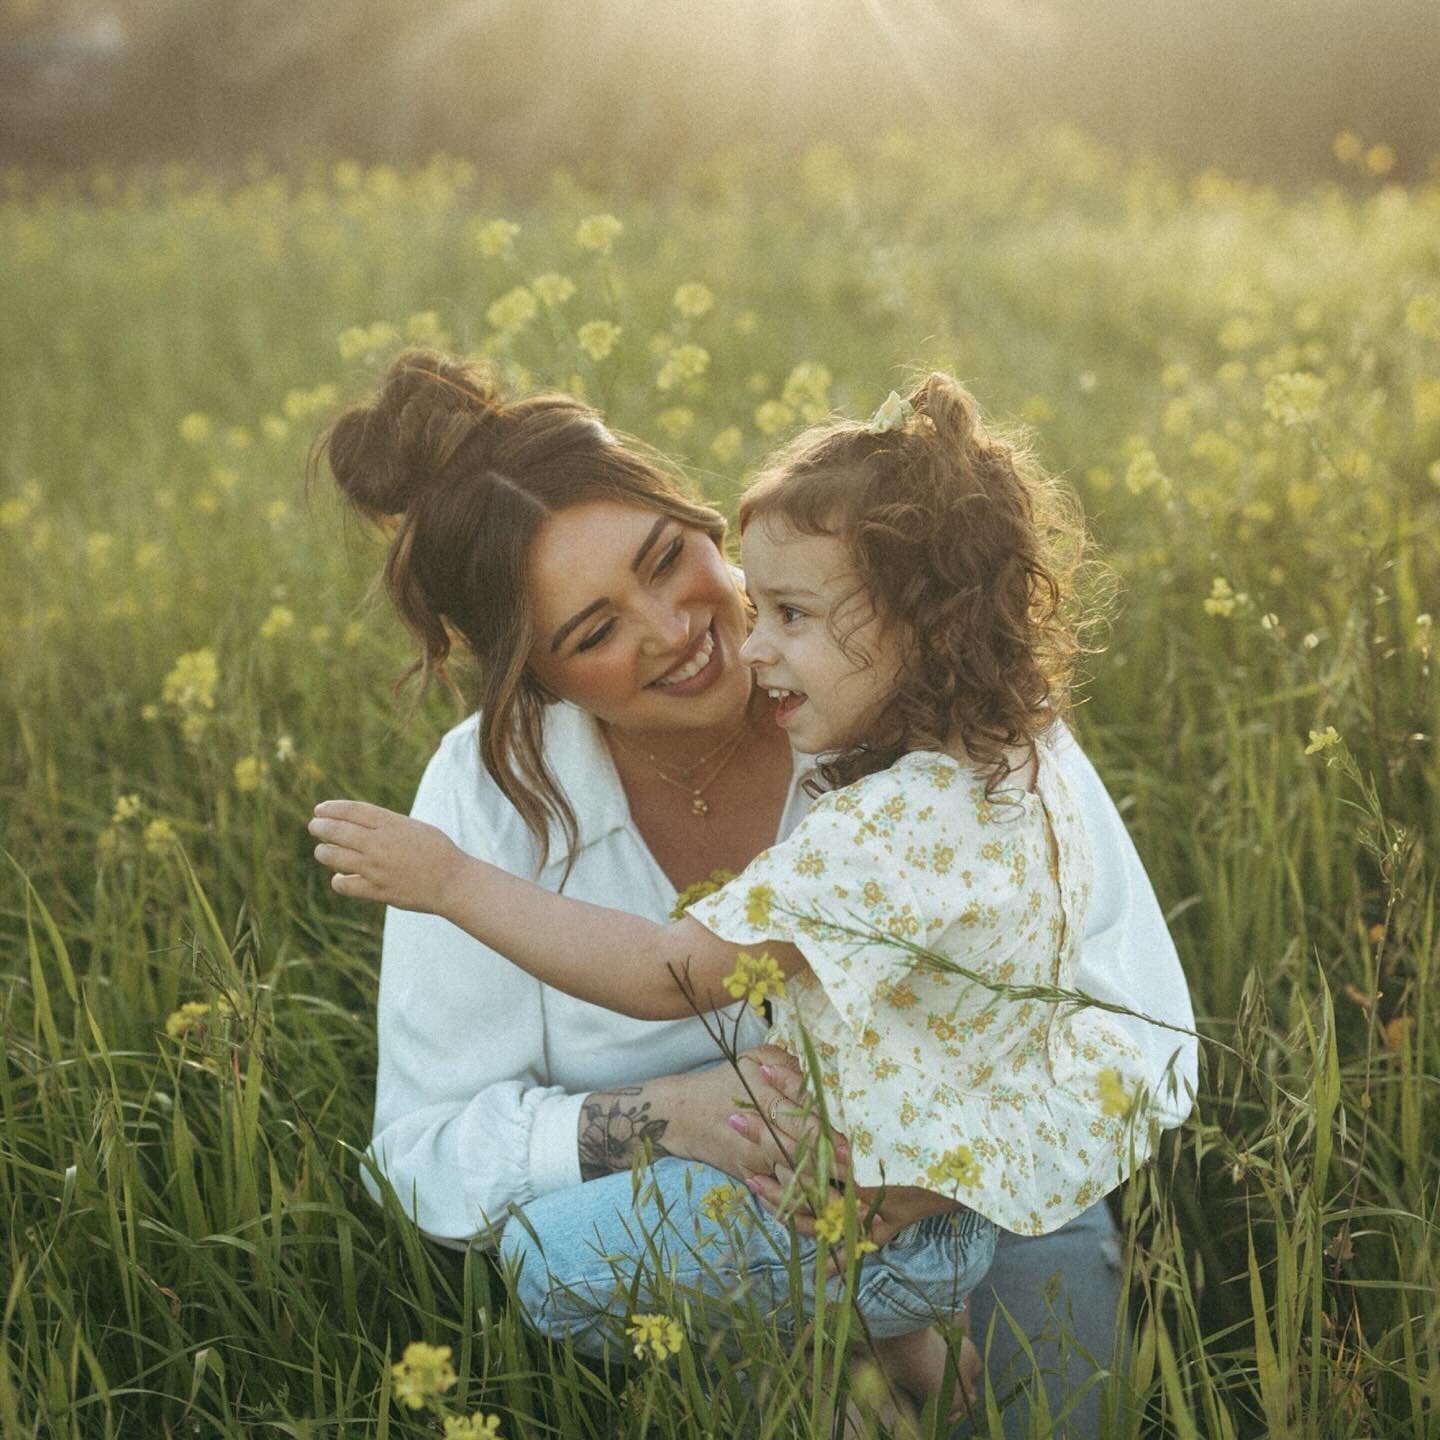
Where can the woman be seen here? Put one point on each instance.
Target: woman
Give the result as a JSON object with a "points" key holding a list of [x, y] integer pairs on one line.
{"points": [[618, 751]]}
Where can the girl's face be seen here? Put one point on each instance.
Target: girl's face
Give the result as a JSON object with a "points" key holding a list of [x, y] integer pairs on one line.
{"points": [[804, 589], [638, 619]]}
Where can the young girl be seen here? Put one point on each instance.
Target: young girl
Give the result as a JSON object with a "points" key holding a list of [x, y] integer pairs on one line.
{"points": [[910, 583]]}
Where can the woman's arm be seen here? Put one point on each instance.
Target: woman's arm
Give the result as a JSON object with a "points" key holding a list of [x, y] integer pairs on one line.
{"points": [[607, 957]]}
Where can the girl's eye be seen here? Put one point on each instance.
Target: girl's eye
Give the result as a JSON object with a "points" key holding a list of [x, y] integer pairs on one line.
{"points": [[595, 637], [789, 614], [671, 555]]}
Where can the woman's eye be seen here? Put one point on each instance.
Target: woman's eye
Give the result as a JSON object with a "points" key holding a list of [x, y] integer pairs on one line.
{"points": [[595, 637], [671, 555]]}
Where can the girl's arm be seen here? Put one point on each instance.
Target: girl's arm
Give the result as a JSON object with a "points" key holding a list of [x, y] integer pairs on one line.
{"points": [[607, 957]]}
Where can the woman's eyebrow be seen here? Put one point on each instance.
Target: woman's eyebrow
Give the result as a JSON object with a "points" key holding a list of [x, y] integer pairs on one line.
{"points": [[578, 618], [649, 540]]}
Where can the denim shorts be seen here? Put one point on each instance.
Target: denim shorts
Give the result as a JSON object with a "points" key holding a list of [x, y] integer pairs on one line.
{"points": [[590, 1256]]}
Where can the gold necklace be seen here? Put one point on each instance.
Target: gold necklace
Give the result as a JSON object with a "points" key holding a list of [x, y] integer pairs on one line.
{"points": [[683, 777]]}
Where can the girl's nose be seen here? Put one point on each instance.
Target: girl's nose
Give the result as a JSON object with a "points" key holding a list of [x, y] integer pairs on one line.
{"points": [[755, 650]]}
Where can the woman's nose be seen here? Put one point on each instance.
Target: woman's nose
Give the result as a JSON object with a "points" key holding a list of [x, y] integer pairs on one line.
{"points": [[668, 629]]}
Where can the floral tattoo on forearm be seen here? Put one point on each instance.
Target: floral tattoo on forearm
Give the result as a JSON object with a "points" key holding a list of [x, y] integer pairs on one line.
{"points": [[614, 1128]]}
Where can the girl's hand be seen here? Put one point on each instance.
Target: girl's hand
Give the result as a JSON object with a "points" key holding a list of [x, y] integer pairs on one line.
{"points": [[379, 855]]}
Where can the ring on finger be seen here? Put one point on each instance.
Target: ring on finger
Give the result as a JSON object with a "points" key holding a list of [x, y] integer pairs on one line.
{"points": [[774, 1118]]}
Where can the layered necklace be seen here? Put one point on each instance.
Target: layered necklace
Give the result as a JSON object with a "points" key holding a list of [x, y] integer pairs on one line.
{"points": [[691, 778]]}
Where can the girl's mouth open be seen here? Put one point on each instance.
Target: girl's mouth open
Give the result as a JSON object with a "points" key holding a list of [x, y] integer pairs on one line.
{"points": [[787, 702], [697, 673]]}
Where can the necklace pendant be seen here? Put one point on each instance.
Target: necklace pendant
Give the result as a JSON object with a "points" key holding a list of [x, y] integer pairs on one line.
{"points": [[698, 805]]}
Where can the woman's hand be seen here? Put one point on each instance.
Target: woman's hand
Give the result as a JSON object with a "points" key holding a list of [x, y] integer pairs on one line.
{"points": [[379, 855], [714, 1119]]}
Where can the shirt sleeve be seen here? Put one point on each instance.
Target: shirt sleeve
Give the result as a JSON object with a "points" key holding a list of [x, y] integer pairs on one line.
{"points": [[464, 1126], [842, 891], [1127, 951]]}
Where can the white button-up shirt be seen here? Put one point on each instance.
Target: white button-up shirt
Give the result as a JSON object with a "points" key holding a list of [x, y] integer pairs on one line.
{"points": [[483, 1070]]}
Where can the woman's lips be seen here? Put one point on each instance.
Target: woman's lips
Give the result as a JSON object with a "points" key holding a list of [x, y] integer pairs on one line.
{"points": [[696, 679]]}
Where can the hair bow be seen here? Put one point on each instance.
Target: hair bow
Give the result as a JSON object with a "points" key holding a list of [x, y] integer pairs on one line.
{"points": [[890, 416]]}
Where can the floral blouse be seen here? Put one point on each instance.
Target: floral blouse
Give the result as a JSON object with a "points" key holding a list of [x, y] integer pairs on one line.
{"points": [[1022, 1109]]}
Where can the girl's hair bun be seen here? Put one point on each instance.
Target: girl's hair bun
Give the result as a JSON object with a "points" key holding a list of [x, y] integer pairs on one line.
{"points": [[387, 453]]}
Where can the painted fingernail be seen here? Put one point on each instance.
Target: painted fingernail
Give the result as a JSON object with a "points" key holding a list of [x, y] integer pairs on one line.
{"points": [[752, 1184], [738, 1123], [768, 1071]]}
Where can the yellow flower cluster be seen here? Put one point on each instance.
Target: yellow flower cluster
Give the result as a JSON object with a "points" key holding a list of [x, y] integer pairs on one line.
{"points": [[552, 289], [494, 237], [655, 1336], [698, 890], [190, 689], [755, 979], [513, 310], [726, 444], [370, 339], [719, 1200], [280, 619], [597, 337], [1222, 600], [807, 390], [693, 299], [1116, 1098], [684, 362], [598, 233], [1321, 740], [250, 773], [422, 1372], [1294, 398], [195, 428], [300, 403], [955, 1167], [194, 1016], [472, 1427]]}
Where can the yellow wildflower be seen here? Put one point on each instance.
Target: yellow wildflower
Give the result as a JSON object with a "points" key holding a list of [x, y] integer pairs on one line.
{"points": [[366, 339], [1325, 739], [423, 1371], [685, 362], [757, 904], [285, 749], [127, 807], [280, 619], [1294, 398], [807, 390], [160, 837], [747, 322], [718, 1201], [598, 233], [1347, 147], [190, 685], [655, 1336], [1143, 472], [351, 636], [277, 511], [98, 549], [472, 1427], [773, 416], [726, 444], [1221, 599], [195, 428], [698, 890], [274, 428], [693, 299], [754, 979], [249, 772], [237, 437], [1379, 159], [425, 325], [320, 634], [830, 1222], [1115, 1098], [1175, 376], [1239, 333], [494, 237], [514, 309], [553, 289], [955, 1167], [597, 338], [189, 1017], [676, 420], [147, 555], [149, 712]]}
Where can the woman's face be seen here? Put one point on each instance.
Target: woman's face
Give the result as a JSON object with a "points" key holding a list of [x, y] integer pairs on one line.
{"points": [[638, 619]]}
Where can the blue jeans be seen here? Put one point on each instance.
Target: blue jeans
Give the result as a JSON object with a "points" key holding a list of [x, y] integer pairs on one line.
{"points": [[590, 1256]]}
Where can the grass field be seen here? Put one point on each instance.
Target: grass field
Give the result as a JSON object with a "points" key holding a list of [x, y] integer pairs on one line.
{"points": [[1243, 386]]}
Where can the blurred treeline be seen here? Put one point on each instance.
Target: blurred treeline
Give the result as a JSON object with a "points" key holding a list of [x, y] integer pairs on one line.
{"points": [[629, 88]]}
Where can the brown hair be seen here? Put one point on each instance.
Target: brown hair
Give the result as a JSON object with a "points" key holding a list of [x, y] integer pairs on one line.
{"points": [[961, 539], [463, 476]]}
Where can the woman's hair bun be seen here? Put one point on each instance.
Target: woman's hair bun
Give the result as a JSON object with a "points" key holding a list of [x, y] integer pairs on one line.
{"points": [[386, 453]]}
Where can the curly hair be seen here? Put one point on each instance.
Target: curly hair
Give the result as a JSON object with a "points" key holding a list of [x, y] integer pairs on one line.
{"points": [[962, 540]]}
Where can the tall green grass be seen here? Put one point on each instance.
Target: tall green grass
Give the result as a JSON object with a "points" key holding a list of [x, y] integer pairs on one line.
{"points": [[186, 1245]]}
